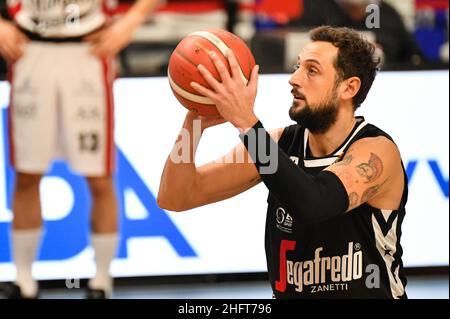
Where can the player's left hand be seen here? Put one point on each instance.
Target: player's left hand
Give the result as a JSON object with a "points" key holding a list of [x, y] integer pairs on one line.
{"points": [[107, 42], [234, 98]]}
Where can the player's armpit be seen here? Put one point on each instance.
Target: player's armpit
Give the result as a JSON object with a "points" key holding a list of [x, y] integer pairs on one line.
{"points": [[371, 172]]}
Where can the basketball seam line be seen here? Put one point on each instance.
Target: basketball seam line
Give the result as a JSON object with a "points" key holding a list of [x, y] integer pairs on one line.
{"points": [[181, 54], [208, 36], [188, 95]]}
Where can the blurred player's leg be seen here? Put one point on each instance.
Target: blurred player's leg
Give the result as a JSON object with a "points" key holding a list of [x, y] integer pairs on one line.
{"points": [[32, 135], [104, 232], [87, 122], [27, 231]]}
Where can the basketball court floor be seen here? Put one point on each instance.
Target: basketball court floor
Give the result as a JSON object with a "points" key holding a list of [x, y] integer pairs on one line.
{"points": [[419, 287]]}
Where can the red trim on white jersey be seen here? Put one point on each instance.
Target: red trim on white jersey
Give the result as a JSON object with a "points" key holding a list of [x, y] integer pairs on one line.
{"points": [[10, 122], [13, 8], [108, 78]]}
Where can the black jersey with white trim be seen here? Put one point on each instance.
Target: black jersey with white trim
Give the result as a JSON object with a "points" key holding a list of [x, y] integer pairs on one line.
{"points": [[355, 255]]}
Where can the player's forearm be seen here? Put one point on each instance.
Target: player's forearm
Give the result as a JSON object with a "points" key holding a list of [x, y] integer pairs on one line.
{"points": [[176, 185], [139, 12], [179, 174]]}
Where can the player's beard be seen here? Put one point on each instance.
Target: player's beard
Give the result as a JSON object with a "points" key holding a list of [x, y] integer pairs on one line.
{"points": [[317, 118]]}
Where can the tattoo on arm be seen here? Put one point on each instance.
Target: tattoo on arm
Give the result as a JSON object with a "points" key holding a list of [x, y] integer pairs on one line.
{"points": [[371, 170], [352, 200], [371, 192]]}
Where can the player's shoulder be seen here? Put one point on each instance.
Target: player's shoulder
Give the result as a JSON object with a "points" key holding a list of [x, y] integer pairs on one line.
{"points": [[371, 136], [289, 132], [380, 145], [284, 133]]}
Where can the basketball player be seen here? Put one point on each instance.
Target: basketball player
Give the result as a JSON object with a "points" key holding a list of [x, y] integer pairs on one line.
{"points": [[60, 55], [337, 196]]}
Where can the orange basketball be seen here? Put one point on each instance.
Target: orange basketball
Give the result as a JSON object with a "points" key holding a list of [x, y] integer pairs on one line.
{"points": [[192, 51]]}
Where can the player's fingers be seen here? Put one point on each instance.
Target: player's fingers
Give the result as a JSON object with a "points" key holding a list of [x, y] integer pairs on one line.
{"points": [[253, 83], [105, 48], [209, 78], [101, 49], [21, 42], [236, 72], [94, 37], [5, 52], [22, 38], [95, 50], [13, 51], [202, 90], [112, 47], [221, 68]]}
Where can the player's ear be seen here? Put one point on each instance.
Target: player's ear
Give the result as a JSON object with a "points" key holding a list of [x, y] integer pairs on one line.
{"points": [[350, 87]]}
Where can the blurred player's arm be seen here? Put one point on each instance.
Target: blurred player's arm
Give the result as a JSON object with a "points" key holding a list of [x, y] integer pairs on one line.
{"points": [[108, 41], [184, 186], [11, 41]]}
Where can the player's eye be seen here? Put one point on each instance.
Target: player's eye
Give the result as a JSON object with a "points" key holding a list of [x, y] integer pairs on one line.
{"points": [[312, 71]]}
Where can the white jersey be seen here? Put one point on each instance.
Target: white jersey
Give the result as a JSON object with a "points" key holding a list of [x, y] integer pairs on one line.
{"points": [[58, 18]]}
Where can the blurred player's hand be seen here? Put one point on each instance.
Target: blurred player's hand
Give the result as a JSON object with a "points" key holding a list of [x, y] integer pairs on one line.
{"points": [[107, 42], [12, 41]]}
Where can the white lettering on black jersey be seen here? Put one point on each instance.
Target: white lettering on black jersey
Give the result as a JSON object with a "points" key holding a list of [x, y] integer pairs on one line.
{"points": [[355, 255]]}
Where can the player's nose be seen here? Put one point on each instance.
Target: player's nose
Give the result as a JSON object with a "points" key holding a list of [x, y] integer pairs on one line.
{"points": [[295, 79]]}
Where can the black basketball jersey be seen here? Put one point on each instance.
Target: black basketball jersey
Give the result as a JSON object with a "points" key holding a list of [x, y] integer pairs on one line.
{"points": [[355, 255]]}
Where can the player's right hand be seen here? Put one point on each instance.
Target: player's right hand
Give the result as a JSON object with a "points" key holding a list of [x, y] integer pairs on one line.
{"points": [[12, 41], [206, 121]]}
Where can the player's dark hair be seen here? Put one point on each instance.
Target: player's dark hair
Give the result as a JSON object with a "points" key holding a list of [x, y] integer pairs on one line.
{"points": [[356, 57]]}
